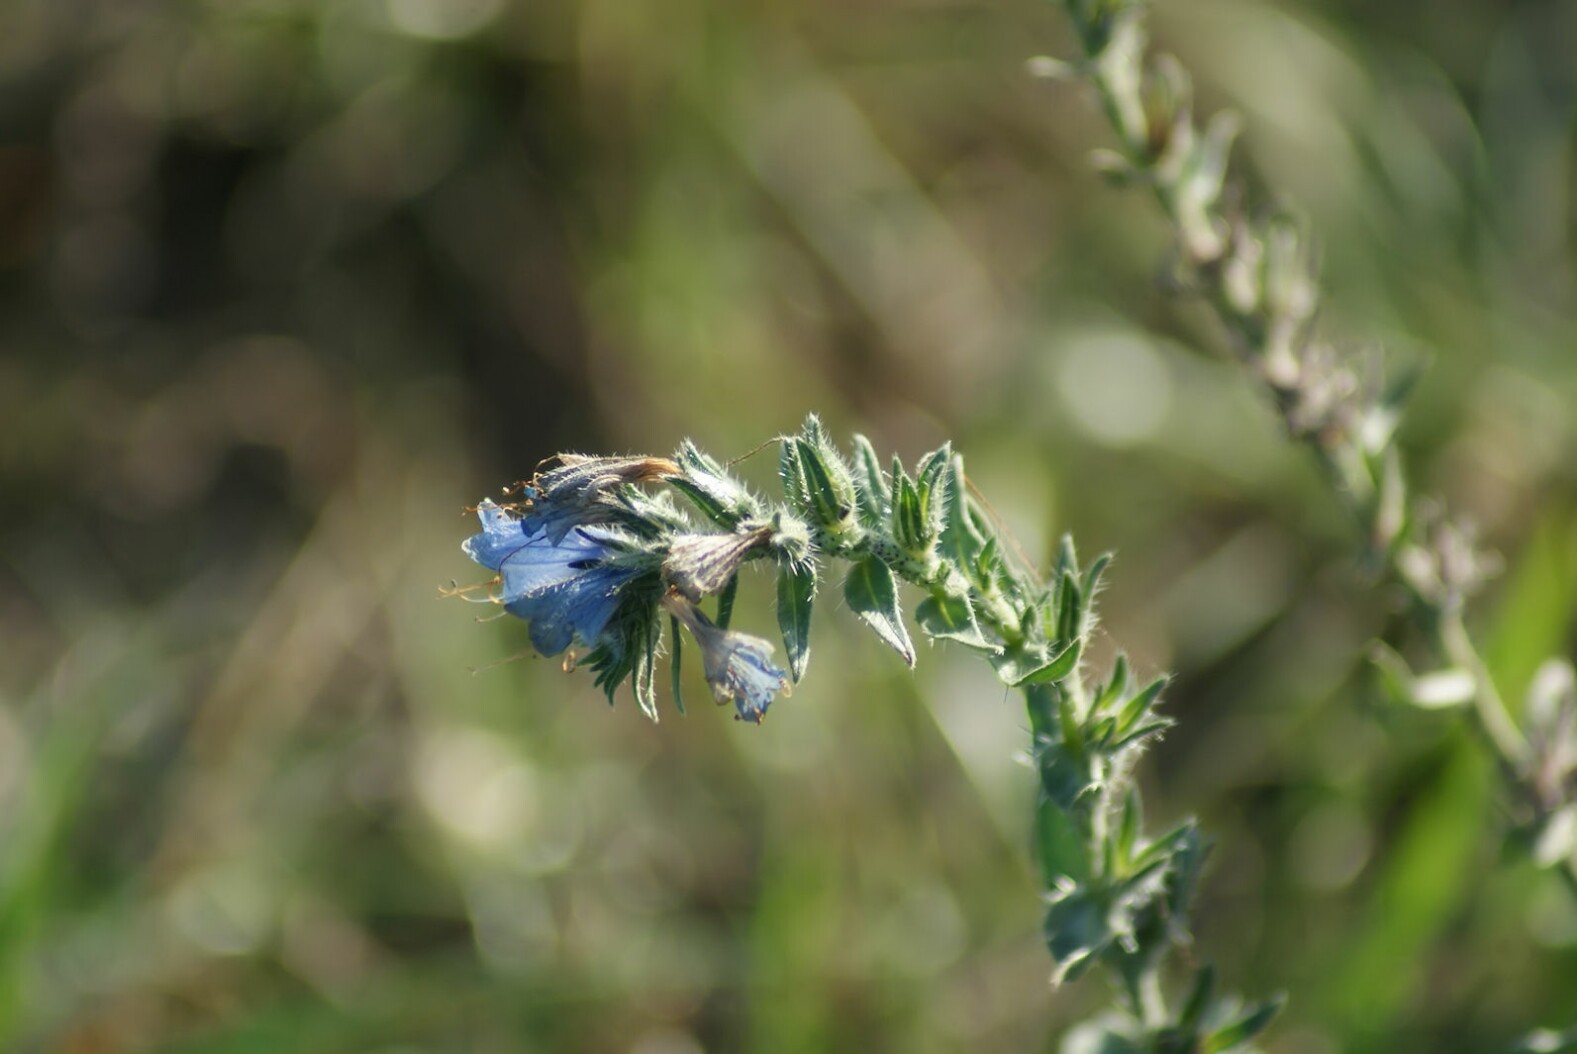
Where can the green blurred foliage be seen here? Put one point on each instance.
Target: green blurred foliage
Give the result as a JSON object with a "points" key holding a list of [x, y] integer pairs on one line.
{"points": [[285, 285]]}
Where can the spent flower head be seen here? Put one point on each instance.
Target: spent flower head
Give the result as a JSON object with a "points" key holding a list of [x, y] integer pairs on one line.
{"points": [[699, 565], [582, 489]]}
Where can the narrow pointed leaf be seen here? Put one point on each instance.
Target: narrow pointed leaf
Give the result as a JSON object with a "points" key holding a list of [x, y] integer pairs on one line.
{"points": [[872, 595], [1067, 557], [1092, 575], [869, 484], [1199, 1000], [1054, 669], [936, 491], [1116, 686], [725, 602], [1187, 851], [1142, 733], [1070, 608], [722, 499], [792, 475], [796, 590], [673, 663], [963, 539], [1136, 708], [908, 519], [1132, 820], [645, 675]]}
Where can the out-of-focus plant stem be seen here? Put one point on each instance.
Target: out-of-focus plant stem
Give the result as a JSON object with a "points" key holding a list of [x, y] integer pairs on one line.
{"points": [[1256, 271]]}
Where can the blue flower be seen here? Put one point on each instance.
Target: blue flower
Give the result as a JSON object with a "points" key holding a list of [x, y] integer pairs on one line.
{"points": [[566, 587], [739, 667]]}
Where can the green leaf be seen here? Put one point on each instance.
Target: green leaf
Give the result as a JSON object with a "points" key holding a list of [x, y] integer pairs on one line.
{"points": [[872, 595], [1115, 687], [792, 475], [1013, 664], [673, 664], [645, 677], [1077, 929], [869, 485], [725, 603], [704, 500], [1067, 557], [1132, 821], [989, 563], [1142, 733], [1187, 852], [1092, 574], [952, 618], [1199, 1000], [1066, 774], [1053, 669], [1063, 853], [1040, 702], [962, 541], [710, 488], [936, 491], [796, 590], [827, 485], [1070, 608], [1244, 1029], [908, 518], [1139, 706]]}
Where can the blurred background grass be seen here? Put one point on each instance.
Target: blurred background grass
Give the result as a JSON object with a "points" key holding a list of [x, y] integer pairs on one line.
{"points": [[284, 285]]}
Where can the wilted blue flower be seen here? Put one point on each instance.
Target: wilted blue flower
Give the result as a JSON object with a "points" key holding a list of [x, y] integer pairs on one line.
{"points": [[739, 667], [699, 565], [576, 491], [565, 587]]}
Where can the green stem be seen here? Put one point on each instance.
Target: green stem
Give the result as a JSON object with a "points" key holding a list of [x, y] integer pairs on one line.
{"points": [[1493, 719]]}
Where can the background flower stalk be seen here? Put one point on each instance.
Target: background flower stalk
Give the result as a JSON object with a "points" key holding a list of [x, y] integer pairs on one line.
{"points": [[1257, 268]]}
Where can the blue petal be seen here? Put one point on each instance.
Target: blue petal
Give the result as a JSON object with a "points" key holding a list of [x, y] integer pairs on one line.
{"points": [[746, 674], [550, 633], [529, 554], [539, 564], [556, 518], [578, 608], [501, 535]]}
